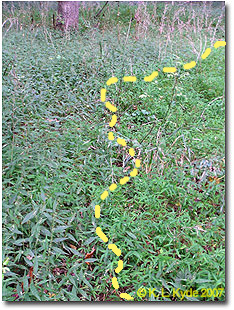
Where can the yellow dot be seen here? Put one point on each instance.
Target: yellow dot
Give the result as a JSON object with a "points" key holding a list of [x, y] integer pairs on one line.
{"points": [[104, 195], [115, 283], [133, 173], [111, 136], [131, 152], [112, 187], [124, 180], [119, 140], [124, 142], [137, 163], [97, 211]]}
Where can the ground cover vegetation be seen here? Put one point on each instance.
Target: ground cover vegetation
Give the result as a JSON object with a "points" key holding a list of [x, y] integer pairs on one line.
{"points": [[169, 221]]}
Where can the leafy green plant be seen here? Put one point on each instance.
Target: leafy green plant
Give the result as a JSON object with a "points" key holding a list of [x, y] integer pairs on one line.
{"points": [[169, 221]]}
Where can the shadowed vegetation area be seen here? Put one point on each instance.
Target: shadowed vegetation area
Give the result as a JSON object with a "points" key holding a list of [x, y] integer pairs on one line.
{"points": [[169, 221]]}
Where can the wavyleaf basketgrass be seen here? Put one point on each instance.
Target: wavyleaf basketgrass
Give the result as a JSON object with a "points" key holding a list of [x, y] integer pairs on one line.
{"points": [[169, 221]]}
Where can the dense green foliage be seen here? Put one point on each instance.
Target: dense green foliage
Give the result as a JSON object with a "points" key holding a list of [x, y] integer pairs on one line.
{"points": [[169, 221]]}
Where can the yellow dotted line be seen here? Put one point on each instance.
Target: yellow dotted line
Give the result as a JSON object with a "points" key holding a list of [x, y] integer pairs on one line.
{"points": [[131, 152], [151, 77], [169, 69]]}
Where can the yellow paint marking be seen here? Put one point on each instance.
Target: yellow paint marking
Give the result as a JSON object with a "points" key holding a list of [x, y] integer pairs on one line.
{"points": [[101, 234], [120, 266], [113, 121], [112, 80], [190, 65], [219, 43], [103, 94], [124, 142], [124, 180], [169, 69], [114, 248], [121, 142], [129, 79], [206, 53], [151, 77], [112, 187], [131, 152], [126, 296], [111, 136], [97, 211], [115, 283], [104, 195], [134, 172], [138, 163], [110, 107]]}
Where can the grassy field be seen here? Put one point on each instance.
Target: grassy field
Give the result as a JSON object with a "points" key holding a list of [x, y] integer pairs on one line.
{"points": [[169, 221]]}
